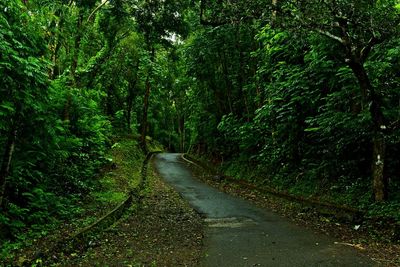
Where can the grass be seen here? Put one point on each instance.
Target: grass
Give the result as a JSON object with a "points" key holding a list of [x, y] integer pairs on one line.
{"points": [[111, 197]]}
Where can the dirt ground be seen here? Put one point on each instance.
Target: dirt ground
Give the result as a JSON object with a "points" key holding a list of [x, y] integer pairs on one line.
{"points": [[164, 232]]}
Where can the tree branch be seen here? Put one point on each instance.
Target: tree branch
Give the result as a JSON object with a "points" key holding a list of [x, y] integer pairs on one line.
{"points": [[96, 9], [332, 36], [367, 49]]}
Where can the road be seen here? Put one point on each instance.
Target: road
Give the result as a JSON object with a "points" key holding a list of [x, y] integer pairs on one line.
{"points": [[240, 234]]}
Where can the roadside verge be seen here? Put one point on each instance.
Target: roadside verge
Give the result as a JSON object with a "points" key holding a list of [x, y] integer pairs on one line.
{"points": [[377, 238]]}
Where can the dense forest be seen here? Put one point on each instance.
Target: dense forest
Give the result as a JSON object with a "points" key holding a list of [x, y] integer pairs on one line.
{"points": [[302, 96]]}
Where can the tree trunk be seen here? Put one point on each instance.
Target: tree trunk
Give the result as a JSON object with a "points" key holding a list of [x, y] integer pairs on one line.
{"points": [[77, 45], [54, 68], [128, 115], [144, 123], [67, 107], [56, 44], [181, 131], [144, 116], [74, 66], [129, 99], [363, 80], [109, 102], [228, 83], [379, 181], [6, 162], [241, 75]]}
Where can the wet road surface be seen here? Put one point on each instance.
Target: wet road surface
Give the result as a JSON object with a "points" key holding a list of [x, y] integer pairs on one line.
{"points": [[241, 234]]}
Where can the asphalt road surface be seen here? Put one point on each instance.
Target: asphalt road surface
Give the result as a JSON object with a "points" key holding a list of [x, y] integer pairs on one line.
{"points": [[241, 234]]}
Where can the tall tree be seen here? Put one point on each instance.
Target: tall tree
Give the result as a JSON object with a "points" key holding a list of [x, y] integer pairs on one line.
{"points": [[357, 27], [160, 22], [24, 76]]}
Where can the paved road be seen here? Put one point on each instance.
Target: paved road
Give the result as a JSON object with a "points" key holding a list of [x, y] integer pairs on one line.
{"points": [[241, 234]]}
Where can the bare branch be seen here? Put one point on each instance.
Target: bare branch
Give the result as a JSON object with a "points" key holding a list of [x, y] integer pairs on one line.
{"points": [[96, 9], [332, 36]]}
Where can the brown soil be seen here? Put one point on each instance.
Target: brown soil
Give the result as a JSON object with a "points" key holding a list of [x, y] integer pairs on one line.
{"points": [[367, 239], [164, 232]]}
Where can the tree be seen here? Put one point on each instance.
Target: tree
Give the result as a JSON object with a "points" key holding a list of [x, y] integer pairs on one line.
{"points": [[160, 22], [45, 159], [358, 27], [24, 77]]}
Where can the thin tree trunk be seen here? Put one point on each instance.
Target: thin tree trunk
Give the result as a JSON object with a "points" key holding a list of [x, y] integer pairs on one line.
{"points": [[129, 99], [143, 143], [144, 123], [240, 77], [128, 115], [183, 136], [363, 80], [181, 131], [109, 102], [74, 66], [6, 162], [53, 69], [75, 58], [56, 44], [227, 81]]}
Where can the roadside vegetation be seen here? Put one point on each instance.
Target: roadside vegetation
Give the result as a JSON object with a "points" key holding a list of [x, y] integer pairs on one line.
{"points": [[110, 188], [75, 76], [298, 96], [373, 236]]}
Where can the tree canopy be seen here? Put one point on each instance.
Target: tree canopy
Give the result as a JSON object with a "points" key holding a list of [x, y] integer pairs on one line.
{"points": [[302, 96]]}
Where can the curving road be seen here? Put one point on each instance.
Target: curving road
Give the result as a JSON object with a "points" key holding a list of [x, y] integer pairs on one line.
{"points": [[241, 234]]}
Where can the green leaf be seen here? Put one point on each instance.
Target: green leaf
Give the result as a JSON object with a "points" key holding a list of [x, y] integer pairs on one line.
{"points": [[314, 129], [8, 106]]}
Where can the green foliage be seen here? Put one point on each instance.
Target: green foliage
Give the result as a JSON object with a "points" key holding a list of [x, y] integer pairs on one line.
{"points": [[80, 149], [270, 95], [158, 20], [282, 102], [386, 211], [56, 157]]}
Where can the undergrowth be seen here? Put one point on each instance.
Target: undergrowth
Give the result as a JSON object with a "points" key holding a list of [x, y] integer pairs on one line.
{"points": [[120, 175], [342, 191]]}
